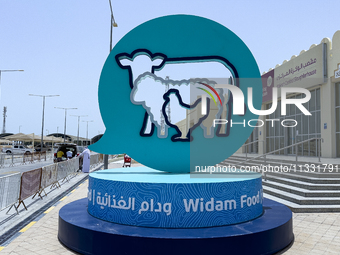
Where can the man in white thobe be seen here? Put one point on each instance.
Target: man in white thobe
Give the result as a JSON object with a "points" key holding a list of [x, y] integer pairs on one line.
{"points": [[86, 160], [69, 154]]}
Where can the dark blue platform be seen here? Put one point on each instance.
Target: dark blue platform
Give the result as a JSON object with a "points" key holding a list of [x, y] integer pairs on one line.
{"points": [[83, 233]]}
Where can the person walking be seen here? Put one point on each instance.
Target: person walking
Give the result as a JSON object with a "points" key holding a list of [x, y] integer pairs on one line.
{"points": [[86, 160]]}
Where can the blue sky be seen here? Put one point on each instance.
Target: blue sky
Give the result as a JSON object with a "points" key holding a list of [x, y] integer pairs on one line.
{"points": [[62, 46]]}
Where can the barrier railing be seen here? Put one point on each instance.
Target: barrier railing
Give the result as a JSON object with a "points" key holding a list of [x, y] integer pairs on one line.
{"points": [[73, 165], [30, 185], [8, 159], [9, 190], [295, 145], [16, 187], [67, 168], [15, 159], [48, 177], [38, 156], [94, 159], [62, 170], [2, 160]]}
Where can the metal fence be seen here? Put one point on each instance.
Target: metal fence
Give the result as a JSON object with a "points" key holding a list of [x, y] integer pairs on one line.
{"points": [[48, 176], [9, 189], [62, 170], [94, 159], [8, 160], [16, 187], [30, 185], [67, 168]]}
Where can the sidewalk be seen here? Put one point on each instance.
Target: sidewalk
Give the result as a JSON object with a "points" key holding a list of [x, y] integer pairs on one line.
{"points": [[315, 233], [34, 205]]}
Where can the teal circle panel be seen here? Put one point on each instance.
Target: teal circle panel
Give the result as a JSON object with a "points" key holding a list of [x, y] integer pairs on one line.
{"points": [[174, 38]]}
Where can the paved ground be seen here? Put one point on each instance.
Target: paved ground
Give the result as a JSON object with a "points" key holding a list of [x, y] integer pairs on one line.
{"points": [[315, 233], [40, 236], [34, 205]]}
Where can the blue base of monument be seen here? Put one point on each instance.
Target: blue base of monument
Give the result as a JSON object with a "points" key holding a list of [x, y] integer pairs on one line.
{"points": [[145, 197], [83, 233]]}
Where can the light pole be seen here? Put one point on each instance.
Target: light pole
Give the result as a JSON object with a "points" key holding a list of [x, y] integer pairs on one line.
{"points": [[1, 71], [113, 24], [78, 125], [65, 117], [43, 113], [87, 129]]}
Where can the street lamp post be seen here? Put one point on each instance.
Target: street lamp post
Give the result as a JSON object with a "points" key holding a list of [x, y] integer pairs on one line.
{"points": [[65, 117], [87, 129], [43, 113], [19, 128], [113, 24], [1, 71], [78, 125]]}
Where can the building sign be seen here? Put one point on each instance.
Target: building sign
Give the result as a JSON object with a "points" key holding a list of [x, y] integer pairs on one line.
{"points": [[303, 71], [337, 72], [267, 86]]}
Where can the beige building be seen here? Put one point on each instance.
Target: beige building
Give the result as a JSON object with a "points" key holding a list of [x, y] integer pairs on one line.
{"points": [[318, 70]]}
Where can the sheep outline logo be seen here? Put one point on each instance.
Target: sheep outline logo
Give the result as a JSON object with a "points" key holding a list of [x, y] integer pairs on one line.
{"points": [[125, 121], [175, 87]]}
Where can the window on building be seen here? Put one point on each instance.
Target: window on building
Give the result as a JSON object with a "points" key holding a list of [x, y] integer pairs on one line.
{"points": [[337, 118], [278, 137]]}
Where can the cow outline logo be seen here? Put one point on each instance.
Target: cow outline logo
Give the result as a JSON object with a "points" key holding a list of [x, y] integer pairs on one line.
{"points": [[161, 60]]}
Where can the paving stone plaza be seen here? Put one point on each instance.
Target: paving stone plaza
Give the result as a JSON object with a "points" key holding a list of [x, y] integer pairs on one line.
{"points": [[315, 233]]}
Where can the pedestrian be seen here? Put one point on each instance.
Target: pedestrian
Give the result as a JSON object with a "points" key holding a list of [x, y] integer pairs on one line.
{"points": [[86, 160], [60, 155], [69, 154], [127, 160]]}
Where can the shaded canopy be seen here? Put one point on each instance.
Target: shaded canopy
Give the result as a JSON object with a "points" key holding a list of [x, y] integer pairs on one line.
{"points": [[15, 137], [5, 141], [53, 139], [32, 137]]}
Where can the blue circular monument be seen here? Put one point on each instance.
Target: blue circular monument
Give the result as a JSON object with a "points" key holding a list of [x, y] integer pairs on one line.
{"points": [[174, 205]]}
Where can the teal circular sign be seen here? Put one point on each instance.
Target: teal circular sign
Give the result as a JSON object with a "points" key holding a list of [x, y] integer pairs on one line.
{"points": [[135, 101]]}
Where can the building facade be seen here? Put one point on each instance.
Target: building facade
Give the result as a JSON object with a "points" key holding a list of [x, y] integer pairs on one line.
{"points": [[318, 70]]}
